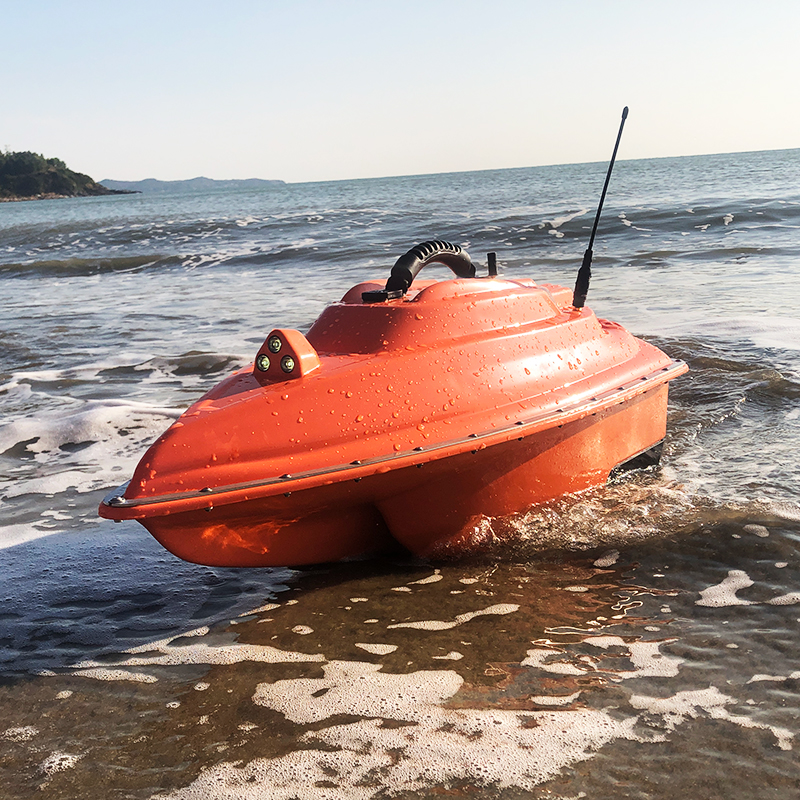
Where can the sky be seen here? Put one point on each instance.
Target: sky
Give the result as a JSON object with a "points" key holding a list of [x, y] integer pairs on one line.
{"points": [[313, 90]]}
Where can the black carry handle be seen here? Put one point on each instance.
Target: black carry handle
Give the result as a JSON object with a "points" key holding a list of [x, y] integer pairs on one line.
{"points": [[407, 267], [585, 272]]}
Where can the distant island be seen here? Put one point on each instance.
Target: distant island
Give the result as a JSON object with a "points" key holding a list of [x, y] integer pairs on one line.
{"points": [[152, 186], [30, 176]]}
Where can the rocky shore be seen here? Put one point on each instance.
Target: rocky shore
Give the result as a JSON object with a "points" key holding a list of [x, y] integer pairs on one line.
{"points": [[30, 176], [56, 196]]}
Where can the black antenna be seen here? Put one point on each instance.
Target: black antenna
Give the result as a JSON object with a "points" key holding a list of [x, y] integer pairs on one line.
{"points": [[585, 272]]}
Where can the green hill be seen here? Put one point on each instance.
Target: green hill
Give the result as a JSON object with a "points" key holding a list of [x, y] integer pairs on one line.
{"points": [[26, 176]]}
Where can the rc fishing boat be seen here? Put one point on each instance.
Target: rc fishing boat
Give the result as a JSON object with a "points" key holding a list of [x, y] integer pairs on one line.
{"points": [[411, 410]]}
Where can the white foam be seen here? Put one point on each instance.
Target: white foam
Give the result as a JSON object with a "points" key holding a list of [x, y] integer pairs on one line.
{"points": [[785, 510], [261, 609], [436, 745], [19, 533], [542, 659], [648, 661], [55, 483], [107, 674], [95, 421], [453, 655], [437, 576], [211, 654], [682, 704], [790, 599], [163, 653], [556, 700], [52, 469], [557, 222], [646, 658], [58, 762], [360, 689], [677, 708], [441, 625], [161, 644], [724, 594], [777, 678], [487, 749], [22, 734], [377, 649]]}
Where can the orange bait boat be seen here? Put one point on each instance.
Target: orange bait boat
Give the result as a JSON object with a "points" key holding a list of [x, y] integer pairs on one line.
{"points": [[410, 414], [410, 411]]}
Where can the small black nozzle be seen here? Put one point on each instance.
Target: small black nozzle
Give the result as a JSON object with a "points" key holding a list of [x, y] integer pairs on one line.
{"points": [[491, 259]]}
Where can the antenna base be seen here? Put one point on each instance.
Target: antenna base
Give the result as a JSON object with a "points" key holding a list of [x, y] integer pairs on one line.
{"points": [[582, 282]]}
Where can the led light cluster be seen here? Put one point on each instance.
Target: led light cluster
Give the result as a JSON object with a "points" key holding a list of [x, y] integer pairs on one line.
{"points": [[286, 354], [274, 345]]}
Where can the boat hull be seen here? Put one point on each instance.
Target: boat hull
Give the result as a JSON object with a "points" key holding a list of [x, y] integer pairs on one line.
{"points": [[407, 420], [433, 508]]}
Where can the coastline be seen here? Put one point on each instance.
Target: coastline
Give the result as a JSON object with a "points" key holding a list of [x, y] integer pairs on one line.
{"points": [[54, 196]]}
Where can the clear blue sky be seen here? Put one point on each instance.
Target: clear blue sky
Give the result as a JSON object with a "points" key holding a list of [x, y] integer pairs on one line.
{"points": [[308, 90]]}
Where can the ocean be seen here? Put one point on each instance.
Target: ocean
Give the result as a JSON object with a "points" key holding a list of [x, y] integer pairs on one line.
{"points": [[636, 641]]}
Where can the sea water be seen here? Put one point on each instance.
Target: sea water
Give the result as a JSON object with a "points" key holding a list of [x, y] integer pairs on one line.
{"points": [[639, 640]]}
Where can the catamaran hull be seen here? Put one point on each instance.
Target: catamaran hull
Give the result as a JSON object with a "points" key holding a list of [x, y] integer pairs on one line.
{"points": [[432, 508]]}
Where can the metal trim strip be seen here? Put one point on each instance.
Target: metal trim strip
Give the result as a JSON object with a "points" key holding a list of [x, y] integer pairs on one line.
{"points": [[560, 416]]}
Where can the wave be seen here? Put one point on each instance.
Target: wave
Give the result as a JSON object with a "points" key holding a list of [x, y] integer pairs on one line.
{"points": [[98, 265], [642, 235], [55, 463], [194, 362]]}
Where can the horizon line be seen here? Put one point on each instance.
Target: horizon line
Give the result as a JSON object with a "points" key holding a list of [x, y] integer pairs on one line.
{"points": [[453, 172]]}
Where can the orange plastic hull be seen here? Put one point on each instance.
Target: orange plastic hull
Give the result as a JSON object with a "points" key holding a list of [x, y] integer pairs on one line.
{"points": [[432, 509], [409, 421]]}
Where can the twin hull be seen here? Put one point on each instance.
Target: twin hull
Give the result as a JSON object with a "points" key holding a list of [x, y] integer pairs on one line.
{"points": [[413, 419]]}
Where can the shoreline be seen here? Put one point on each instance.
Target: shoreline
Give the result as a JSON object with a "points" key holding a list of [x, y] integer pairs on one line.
{"points": [[55, 196]]}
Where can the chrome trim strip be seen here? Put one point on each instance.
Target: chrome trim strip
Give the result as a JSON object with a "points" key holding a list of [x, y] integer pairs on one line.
{"points": [[115, 499]]}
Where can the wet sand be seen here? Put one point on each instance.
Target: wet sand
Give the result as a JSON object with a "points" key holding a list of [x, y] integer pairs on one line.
{"points": [[503, 676]]}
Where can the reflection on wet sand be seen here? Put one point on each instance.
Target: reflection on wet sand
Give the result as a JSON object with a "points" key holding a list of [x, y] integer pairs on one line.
{"points": [[377, 678]]}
